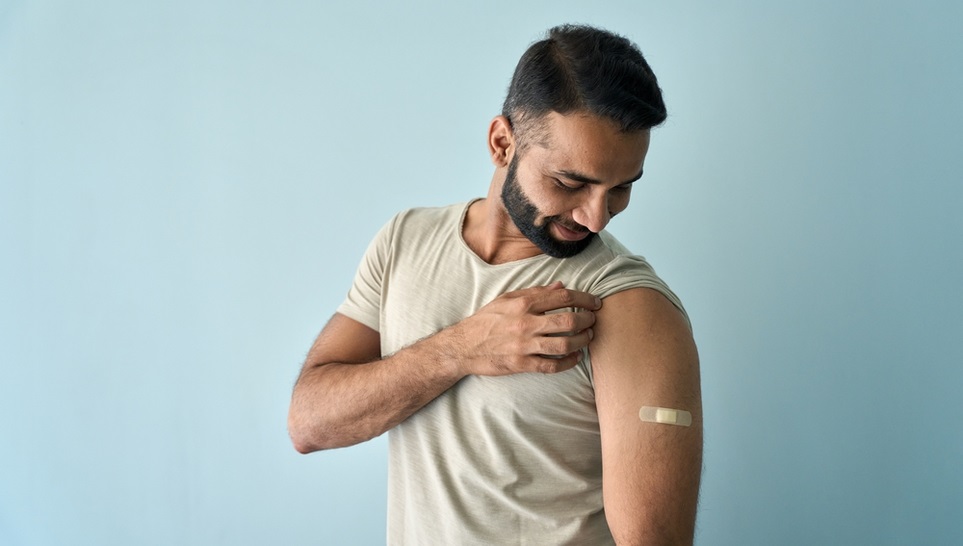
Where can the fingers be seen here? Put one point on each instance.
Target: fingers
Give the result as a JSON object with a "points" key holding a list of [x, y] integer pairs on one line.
{"points": [[565, 323], [563, 345], [555, 296], [549, 365]]}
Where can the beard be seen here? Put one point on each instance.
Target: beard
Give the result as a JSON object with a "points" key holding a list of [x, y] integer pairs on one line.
{"points": [[524, 214]]}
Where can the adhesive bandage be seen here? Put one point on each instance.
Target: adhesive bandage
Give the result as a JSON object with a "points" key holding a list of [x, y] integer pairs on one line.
{"points": [[665, 416]]}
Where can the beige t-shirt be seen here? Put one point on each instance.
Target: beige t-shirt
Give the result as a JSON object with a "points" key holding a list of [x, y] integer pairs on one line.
{"points": [[494, 460]]}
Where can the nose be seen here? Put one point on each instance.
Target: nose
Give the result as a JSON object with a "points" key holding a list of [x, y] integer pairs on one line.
{"points": [[594, 213]]}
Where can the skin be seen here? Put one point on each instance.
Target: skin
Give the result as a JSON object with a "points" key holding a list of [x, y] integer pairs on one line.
{"points": [[578, 178]]}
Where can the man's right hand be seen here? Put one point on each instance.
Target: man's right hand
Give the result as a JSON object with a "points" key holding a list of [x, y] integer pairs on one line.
{"points": [[529, 330]]}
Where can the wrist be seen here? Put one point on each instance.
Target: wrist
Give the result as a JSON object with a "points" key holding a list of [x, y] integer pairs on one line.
{"points": [[449, 353]]}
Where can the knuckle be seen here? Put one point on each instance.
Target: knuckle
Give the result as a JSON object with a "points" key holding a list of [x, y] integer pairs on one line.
{"points": [[577, 323], [563, 322], [566, 297], [560, 364], [568, 344], [548, 365], [543, 345], [570, 322], [523, 304], [518, 326], [557, 346]]}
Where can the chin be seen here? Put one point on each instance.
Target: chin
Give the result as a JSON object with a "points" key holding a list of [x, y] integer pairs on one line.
{"points": [[562, 249]]}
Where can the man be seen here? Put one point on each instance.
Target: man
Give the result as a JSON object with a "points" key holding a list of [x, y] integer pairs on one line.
{"points": [[477, 334]]}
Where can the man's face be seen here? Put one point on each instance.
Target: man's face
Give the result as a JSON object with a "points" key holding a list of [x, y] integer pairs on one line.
{"points": [[565, 188], [525, 215]]}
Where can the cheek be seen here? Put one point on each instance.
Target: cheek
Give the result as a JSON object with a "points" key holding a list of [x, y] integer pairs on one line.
{"points": [[548, 202], [618, 202]]}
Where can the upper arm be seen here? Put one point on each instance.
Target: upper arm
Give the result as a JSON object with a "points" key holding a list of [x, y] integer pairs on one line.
{"points": [[344, 340], [643, 354]]}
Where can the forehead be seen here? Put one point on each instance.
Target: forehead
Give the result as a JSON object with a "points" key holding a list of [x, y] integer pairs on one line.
{"points": [[590, 145]]}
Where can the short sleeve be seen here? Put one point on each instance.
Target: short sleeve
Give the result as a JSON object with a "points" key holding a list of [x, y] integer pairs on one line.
{"points": [[363, 302], [627, 271]]}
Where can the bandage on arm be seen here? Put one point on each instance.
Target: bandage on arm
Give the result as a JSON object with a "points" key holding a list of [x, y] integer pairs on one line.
{"points": [[665, 416]]}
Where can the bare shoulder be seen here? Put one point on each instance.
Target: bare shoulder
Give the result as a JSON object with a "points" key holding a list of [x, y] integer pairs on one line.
{"points": [[644, 303], [639, 331]]}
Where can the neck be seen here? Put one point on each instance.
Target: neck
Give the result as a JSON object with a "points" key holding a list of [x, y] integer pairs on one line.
{"points": [[490, 232]]}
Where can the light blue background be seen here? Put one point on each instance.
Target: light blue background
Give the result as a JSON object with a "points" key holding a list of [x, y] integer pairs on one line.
{"points": [[186, 189]]}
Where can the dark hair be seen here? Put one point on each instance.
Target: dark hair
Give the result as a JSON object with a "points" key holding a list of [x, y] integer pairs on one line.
{"points": [[582, 68]]}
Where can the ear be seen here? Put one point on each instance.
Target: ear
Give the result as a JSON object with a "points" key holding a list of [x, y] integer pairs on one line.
{"points": [[501, 141]]}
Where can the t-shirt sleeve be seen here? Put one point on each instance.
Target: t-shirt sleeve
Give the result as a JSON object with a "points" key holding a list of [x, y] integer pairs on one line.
{"points": [[628, 271], [363, 302]]}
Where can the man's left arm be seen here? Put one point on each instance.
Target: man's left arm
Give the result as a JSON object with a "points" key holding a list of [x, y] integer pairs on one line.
{"points": [[643, 354]]}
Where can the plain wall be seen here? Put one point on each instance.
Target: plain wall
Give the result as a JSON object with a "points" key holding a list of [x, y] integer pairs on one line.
{"points": [[186, 189]]}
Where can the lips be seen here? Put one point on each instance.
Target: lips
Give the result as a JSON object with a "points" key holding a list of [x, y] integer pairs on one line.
{"points": [[567, 234]]}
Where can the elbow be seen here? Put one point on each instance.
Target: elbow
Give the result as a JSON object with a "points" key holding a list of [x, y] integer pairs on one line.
{"points": [[300, 436], [304, 448], [308, 436], [301, 446]]}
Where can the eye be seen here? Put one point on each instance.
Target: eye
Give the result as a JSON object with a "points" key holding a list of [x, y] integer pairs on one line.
{"points": [[567, 187], [624, 188]]}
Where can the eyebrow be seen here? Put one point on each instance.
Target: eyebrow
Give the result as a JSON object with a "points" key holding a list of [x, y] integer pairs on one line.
{"points": [[579, 177]]}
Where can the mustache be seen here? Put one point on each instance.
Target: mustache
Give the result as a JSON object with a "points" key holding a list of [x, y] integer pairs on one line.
{"points": [[573, 226]]}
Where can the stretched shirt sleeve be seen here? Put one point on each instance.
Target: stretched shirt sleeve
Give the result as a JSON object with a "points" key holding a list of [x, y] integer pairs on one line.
{"points": [[628, 271], [363, 302]]}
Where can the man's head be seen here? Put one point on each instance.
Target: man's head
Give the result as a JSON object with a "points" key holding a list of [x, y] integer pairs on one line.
{"points": [[573, 135]]}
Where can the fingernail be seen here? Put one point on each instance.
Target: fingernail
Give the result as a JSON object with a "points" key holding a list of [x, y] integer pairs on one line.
{"points": [[591, 333], [598, 301]]}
